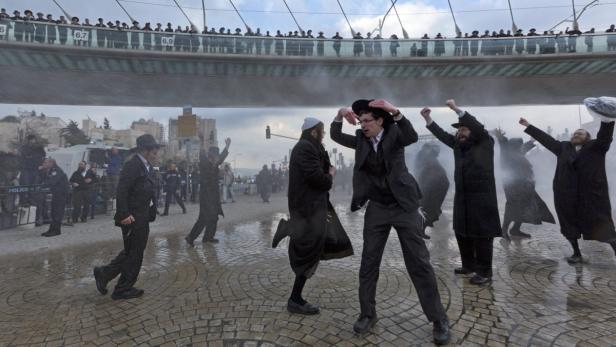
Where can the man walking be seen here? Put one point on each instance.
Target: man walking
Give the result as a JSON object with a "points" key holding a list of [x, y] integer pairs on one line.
{"points": [[264, 184], [380, 176], [209, 195], [136, 208], [172, 183], [475, 212], [581, 194]]}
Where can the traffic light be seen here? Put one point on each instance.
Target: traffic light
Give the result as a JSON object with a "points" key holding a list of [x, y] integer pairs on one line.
{"points": [[268, 133]]}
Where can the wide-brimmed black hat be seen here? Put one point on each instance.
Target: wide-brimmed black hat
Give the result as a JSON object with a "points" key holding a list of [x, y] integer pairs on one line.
{"points": [[75, 19], [28, 11], [362, 105], [147, 142]]}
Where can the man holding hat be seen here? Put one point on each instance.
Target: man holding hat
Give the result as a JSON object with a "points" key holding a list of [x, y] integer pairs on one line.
{"points": [[380, 176], [476, 221], [209, 195], [136, 208], [314, 229], [581, 194]]}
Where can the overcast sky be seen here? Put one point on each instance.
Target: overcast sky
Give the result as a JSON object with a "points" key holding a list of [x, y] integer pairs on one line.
{"points": [[247, 126]]}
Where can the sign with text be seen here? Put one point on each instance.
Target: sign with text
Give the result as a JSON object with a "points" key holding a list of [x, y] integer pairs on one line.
{"points": [[167, 41], [2, 29], [187, 126], [80, 35]]}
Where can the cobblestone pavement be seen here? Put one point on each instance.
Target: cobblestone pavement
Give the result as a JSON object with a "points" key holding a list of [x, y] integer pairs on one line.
{"points": [[234, 294]]}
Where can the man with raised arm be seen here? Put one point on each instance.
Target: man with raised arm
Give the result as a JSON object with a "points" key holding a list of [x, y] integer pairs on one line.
{"points": [[475, 211], [381, 177]]}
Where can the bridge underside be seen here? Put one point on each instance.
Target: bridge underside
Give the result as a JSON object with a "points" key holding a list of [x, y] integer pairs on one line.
{"points": [[73, 76]]}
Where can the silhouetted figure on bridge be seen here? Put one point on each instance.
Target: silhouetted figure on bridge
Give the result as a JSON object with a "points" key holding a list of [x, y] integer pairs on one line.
{"points": [[358, 46], [588, 39], [611, 39], [337, 44], [393, 45], [279, 45], [474, 44], [519, 42], [531, 41], [18, 26]]}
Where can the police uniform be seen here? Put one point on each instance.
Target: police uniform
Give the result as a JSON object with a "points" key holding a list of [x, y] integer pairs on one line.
{"points": [[136, 194], [172, 182], [57, 182]]}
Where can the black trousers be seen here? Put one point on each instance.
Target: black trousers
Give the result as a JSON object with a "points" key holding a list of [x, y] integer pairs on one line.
{"points": [[81, 203], [378, 221], [168, 198], [208, 221], [476, 254], [127, 264], [58, 203]]}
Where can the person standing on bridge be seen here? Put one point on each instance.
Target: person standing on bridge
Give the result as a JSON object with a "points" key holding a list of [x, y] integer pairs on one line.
{"points": [[381, 177], [581, 193], [136, 208], [209, 195], [476, 221], [314, 228]]}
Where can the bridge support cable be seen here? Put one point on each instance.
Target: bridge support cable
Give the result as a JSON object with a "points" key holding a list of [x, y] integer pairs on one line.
{"points": [[458, 31], [68, 16], [203, 8], [239, 15], [404, 33], [576, 17], [382, 22], [192, 25], [347, 19], [132, 20], [514, 28], [292, 16]]}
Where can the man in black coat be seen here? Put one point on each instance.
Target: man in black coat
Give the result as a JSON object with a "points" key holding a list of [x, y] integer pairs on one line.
{"points": [[172, 184], [57, 182], [314, 229], [135, 209], [264, 182], [475, 212], [81, 181], [433, 182], [581, 194], [523, 205], [380, 176], [209, 195]]}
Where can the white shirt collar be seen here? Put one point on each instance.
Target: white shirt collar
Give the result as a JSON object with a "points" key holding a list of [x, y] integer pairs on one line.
{"points": [[379, 136], [144, 161]]}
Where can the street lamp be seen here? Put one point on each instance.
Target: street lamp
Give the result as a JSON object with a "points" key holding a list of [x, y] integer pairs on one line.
{"points": [[269, 134]]}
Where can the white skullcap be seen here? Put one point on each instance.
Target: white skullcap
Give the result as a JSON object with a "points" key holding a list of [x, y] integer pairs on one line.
{"points": [[310, 123], [603, 107]]}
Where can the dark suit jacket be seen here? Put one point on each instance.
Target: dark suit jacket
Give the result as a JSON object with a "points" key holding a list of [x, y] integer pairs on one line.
{"points": [[136, 193], [402, 184]]}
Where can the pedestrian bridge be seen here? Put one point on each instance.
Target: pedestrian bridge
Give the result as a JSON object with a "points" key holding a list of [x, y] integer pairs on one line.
{"points": [[86, 66]]}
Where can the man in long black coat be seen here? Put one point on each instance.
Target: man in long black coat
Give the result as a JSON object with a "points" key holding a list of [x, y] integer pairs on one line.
{"points": [[57, 182], [172, 181], [264, 183], [135, 209], [314, 229], [581, 194], [433, 182], [209, 195], [380, 176], [523, 205], [475, 212]]}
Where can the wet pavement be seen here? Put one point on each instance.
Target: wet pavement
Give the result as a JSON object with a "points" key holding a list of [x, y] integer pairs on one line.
{"points": [[234, 294]]}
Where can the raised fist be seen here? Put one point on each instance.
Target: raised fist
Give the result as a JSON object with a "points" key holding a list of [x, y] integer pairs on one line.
{"points": [[524, 122]]}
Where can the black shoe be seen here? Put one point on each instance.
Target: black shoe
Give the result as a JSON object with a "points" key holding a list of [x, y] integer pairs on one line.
{"points": [[305, 309], [101, 284], [520, 234], [440, 332], [127, 294], [462, 271], [50, 233], [480, 280], [184, 211], [37, 224], [575, 259], [364, 324], [212, 240], [281, 232], [190, 242]]}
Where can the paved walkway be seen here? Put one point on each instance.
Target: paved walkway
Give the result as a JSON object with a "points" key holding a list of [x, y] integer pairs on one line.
{"points": [[234, 293]]}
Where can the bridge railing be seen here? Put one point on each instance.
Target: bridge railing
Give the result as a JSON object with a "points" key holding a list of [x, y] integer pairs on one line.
{"points": [[45, 33]]}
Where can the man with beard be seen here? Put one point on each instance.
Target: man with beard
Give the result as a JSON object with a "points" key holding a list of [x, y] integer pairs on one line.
{"points": [[381, 177], [433, 182], [314, 229], [209, 195], [57, 182], [523, 205], [581, 194], [136, 208], [81, 181], [475, 212]]}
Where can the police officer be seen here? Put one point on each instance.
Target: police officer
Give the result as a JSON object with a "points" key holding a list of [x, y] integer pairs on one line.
{"points": [[57, 182], [172, 183], [136, 208]]}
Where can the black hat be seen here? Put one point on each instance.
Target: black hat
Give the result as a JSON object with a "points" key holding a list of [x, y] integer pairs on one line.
{"points": [[15, 12], [28, 11], [213, 151], [75, 19], [362, 105], [533, 29], [147, 142]]}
